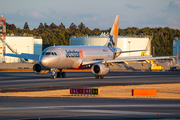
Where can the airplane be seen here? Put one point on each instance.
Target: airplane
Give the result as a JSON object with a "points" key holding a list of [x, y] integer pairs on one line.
{"points": [[98, 58]]}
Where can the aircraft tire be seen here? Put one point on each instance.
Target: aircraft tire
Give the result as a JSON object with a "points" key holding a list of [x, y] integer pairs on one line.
{"points": [[63, 74], [97, 76], [58, 75], [102, 76], [53, 76]]}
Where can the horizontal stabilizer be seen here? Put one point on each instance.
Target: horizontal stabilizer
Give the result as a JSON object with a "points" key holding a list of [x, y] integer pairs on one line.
{"points": [[132, 51]]}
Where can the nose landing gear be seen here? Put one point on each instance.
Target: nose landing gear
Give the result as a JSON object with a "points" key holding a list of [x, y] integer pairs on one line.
{"points": [[53, 76]]}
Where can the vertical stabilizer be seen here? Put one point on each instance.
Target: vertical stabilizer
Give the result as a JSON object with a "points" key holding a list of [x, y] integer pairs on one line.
{"points": [[113, 36]]}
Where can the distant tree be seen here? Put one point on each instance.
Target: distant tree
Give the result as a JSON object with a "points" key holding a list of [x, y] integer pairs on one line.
{"points": [[41, 26], [62, 26], [72, 27], [122, 32], [45, 25], [53, 26], [96, 31], [11, 27], [7, 26], [87, 31], [81, 26], [26, 25]]}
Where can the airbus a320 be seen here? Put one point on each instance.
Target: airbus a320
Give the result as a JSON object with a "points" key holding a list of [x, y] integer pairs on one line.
{"points": [[98, 58]]}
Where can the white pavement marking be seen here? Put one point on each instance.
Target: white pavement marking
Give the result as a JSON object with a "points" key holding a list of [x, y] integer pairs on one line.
{"points": [[119, 112], [95, 106], [86, 110]]}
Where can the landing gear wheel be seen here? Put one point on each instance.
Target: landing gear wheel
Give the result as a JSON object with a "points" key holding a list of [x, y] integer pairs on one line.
{"points": [[102, 76], [63, 74], [97, 76], [53, 76], [58, 74]]}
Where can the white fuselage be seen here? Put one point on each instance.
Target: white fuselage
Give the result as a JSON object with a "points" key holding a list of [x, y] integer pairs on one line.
{"points": [[71, 56]]}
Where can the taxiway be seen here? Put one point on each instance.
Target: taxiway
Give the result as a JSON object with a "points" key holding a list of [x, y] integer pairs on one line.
{"points": [[28, 81]]}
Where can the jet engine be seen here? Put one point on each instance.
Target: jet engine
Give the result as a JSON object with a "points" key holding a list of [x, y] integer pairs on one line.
{"points": [[39, 69], [100, 69]]}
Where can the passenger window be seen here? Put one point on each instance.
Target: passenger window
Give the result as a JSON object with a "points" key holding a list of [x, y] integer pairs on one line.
{"points": [[52, 53], [55, 53]]}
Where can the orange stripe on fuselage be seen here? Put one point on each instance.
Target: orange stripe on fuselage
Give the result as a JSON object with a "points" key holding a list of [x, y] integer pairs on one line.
{"points": [[69, 61]]}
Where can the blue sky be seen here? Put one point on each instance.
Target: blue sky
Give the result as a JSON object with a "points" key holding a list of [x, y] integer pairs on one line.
{"points": [[93, 13]]}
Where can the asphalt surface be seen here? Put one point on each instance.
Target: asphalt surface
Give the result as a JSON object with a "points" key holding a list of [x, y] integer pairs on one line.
{"points": [[28, 81], [64, 108], [84, 108]]}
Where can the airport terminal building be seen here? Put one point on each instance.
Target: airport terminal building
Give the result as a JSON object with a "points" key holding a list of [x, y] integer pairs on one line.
{"points": [[125, 43]]}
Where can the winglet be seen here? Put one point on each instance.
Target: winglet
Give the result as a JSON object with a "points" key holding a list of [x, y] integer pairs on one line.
{"points": [[112, 40]]}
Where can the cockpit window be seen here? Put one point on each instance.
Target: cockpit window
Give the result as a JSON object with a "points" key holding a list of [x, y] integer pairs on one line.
{"points": [[43, 53], [49, 53]]}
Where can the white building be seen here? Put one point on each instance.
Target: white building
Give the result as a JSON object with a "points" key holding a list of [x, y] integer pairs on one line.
{"points": [[125, 43], [19, 44], [176, 48]]}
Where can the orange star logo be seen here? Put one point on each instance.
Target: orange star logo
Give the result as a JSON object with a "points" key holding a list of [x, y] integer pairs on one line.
{"points": [[115, 32], [81, 53]]}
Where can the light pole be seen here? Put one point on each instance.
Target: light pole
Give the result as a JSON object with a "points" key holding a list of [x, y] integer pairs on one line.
{"points": [[129, 46], [153, 51]]}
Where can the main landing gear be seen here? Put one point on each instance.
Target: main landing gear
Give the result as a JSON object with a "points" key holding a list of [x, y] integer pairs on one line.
{"points": [[99, 76], [59, 74]]}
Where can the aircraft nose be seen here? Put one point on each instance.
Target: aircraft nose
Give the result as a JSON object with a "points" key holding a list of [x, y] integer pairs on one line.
{"points": [[44, 61]]}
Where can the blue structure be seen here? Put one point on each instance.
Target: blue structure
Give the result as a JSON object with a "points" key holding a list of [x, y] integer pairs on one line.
{"points": [[176, 48]]}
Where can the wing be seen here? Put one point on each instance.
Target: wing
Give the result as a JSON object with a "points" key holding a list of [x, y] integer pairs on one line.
{"points": [[126, 59], [140, 58], [24, 55]]}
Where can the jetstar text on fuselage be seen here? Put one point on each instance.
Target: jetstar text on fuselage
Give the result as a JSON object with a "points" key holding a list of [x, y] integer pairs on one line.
{"points": [[74, 53]]}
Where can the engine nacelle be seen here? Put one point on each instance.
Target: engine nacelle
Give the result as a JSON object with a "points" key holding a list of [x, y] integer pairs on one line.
{"points": [[39, 69], [100, 69]]}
